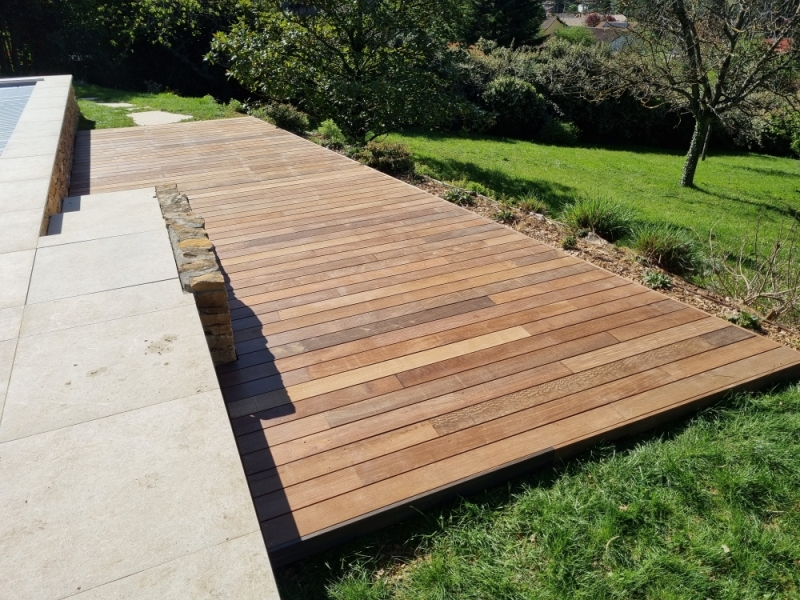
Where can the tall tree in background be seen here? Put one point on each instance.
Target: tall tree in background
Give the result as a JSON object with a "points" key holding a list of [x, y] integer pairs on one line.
{"points": [[112, 41], [372, 65], [506, 22], [716, 60]]}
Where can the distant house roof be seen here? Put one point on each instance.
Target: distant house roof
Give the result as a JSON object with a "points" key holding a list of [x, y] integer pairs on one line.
{"points": [[574, 20], [616, 24], [614, 36], [550, 24]]}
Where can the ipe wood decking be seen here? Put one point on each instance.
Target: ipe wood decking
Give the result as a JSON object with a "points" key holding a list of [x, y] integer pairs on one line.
{"points": [[395, 349]]}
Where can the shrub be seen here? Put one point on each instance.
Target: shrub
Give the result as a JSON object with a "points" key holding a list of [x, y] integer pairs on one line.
{"points": [[520, 109], [330, 134], [593, 20], [569, 243], [604, 217], [389, 157], [284, 116], [656, 280], [236, 106], [505, 215], [559, 133], [746, 320], [668, 247], [459, 196], [576, 36]]}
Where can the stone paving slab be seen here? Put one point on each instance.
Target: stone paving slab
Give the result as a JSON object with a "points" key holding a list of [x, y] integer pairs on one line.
{"points": [[10, 321], [92, 371], [19, 230], [100, 307], [157, 117], [102, 264], [16, 268], [7, 349], [69, 523], [24, 195], [104, 215], [232, 564]]}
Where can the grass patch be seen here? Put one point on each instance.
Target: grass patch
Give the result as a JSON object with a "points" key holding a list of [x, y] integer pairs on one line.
{"points": [[731, 188], [708, 508], [94, 116]]}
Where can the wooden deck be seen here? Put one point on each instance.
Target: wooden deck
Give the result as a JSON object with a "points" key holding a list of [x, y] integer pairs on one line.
{"points": [[395, 349]]}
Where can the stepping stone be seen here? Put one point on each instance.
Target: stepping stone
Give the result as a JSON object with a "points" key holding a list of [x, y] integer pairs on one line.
{"points": [[114, 104], [157, 117]]}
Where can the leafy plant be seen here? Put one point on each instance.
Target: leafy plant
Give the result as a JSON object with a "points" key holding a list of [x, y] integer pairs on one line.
{"points": [[284, 116], [604, 217], [668, 247], [576, 36], [520, 109], [593, 20], [569, 243], [459, 197], [389, 157], [746, 320], [505, 215], [331, 135], [656, 280], [236, 106]]}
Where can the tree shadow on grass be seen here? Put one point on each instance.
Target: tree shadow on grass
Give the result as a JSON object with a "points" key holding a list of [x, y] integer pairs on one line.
{"points": [[448, 169], [783, 210]]}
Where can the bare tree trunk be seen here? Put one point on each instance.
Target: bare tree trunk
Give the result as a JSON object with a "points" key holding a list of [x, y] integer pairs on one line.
{"points": [[705, 144], [696, 147]]}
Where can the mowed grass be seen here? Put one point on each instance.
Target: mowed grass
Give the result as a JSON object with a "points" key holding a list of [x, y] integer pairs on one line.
{"points": [[707, 508], [731, 191], [95, 116]]}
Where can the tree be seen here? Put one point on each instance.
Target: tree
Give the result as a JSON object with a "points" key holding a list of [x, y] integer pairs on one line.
{"points": [[506, 22], [716, 60], [371, 65]]}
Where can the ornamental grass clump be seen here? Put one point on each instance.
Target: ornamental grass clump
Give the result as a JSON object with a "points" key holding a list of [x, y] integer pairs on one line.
{"points": [[669, 247], [606, 218]]}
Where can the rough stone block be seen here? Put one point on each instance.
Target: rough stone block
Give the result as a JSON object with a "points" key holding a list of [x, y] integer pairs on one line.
{"points": [[210, 299], [196, 244], [210, 282]]}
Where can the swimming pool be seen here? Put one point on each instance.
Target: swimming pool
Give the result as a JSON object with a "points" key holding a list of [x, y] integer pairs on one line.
{"points": [[13, 98]]}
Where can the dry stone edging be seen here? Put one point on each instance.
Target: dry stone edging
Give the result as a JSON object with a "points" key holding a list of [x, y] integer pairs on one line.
{"points": [[199, 271]]}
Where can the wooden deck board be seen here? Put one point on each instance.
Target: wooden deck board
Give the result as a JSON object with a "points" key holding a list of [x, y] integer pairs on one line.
{"points": [[395, 349]]}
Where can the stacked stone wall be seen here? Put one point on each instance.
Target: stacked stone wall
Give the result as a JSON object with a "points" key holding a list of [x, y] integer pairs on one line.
{"points": [[62, 168], [199, 271]]}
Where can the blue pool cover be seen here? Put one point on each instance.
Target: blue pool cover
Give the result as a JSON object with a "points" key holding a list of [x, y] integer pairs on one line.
{"points": [[13, 99]]}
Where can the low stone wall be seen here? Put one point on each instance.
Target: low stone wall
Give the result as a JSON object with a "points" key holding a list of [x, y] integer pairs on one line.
{"points": [[62, 168], [199, 271]]}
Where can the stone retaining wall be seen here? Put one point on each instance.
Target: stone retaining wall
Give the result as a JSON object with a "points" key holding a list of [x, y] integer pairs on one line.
{"points": [[199, 271], [62, 168]]}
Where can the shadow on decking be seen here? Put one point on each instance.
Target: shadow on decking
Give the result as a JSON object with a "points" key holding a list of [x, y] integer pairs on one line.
{"points": [[257, 459]]}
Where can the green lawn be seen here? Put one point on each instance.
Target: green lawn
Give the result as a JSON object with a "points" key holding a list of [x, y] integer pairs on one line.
{"points": [[731, 189], [709, 508], [94, 116]]}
